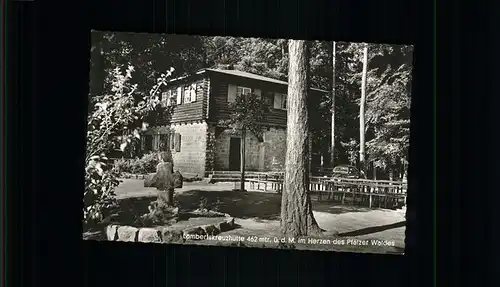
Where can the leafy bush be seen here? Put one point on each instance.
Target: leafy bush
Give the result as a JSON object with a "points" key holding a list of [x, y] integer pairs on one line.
{"points": [[146, 164], [203, 204], [116, 119], [99, 197]]}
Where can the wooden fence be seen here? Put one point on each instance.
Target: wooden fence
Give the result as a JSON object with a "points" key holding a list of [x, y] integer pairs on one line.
{"points": [[363, 191]]}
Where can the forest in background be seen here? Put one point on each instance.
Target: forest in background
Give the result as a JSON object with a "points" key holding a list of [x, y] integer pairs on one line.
{"points": [[388, 83]]}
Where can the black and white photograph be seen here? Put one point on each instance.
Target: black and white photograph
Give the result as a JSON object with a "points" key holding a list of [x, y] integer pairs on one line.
{"points": [[247, 142]]}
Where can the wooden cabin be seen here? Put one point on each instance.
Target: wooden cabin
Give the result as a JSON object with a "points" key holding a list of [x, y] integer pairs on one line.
{"points": [[199, 145]]}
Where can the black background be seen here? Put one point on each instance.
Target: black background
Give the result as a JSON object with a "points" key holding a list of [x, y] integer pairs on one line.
{"points": [[48, 62]]}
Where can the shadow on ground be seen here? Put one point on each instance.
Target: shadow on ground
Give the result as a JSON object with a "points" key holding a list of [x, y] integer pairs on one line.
{"points": [[373, 229]]}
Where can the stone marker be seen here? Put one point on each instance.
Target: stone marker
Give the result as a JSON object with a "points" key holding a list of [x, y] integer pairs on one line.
{"points": [[127, 233], [178, 180], [148, 235], [149, 180]]}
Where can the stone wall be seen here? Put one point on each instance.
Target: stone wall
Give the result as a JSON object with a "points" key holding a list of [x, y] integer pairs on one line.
{"points": [[275, 147], [258, 155], [210, 158], [191, 158], [166, 234]]}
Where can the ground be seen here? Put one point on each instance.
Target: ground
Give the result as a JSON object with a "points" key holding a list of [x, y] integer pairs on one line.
{"points": [[257, 214]]}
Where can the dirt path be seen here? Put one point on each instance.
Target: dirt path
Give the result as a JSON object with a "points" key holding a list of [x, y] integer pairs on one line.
{"points": [[258, 214]]}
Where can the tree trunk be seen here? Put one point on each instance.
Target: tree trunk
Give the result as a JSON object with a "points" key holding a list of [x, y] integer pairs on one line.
{"points": [[332, 159], [242, 162], [296, 210], [362, 111]]}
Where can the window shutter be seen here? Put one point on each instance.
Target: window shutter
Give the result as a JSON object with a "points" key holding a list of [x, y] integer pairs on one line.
{"points": [[193, 93], [277, 101], [177, 142], [172, 141], [231, 93], [258, 93], [179, 95], [283, 102]]}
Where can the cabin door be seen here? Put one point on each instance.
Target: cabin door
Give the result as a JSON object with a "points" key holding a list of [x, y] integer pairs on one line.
{"points": [[234, 153]]}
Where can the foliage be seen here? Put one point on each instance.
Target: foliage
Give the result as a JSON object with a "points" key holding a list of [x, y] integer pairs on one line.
{"points": [[248, 113], [388, 106], [159, 214], [146, 164], [99, 197], [266, 57], [115, 121], [389, 114], [116, 118], [149, 53], [203, 204]]}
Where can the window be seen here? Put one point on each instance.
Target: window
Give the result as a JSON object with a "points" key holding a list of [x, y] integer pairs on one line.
{"points": [[193, 93], [148, 143], [243, 91], [163, 142], [279, 101], [234, 91], [187, 94], [166, 98], [156, 142]]}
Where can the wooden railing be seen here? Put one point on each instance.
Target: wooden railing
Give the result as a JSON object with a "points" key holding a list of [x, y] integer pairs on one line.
{"points": [[370, 192]]}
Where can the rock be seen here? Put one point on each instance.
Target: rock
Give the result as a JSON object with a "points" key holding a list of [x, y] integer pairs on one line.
{"points": [[226, 225], [127, 233], [95, 235], [112, 232], [178, 179], [149, 235], [172, 236], [210, 229], [230, 221]]}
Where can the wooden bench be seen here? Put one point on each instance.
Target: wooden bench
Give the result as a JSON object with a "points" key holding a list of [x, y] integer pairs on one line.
{"points": [[267, 180]]}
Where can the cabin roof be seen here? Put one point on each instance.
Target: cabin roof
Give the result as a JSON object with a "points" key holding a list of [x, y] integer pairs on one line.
{"points": [[243, 74]]}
